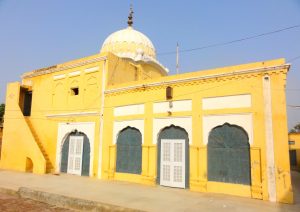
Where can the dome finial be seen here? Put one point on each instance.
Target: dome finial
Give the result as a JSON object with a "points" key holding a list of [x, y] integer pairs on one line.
{"points": [[130, 17]]}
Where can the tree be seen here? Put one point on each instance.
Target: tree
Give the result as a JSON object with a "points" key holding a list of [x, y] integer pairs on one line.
{"points": [[2, 109], [296, 129]]}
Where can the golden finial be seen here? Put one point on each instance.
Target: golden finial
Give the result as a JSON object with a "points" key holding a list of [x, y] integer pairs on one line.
{"points": [[130, 17]]}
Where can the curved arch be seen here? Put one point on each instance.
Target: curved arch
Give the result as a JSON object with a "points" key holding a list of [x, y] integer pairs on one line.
{"points": [[173, 132], [91, 91], [85, 170], [58, 85], [74, 83], [129, 151], [228, 153], [58, 95], [92, 80], [172, 127], [215, 136], [126, 128]]}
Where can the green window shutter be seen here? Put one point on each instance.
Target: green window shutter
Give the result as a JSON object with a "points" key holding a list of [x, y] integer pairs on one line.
{"points": [[65, 156], [129, 151], [85, 171], [229, 155]]}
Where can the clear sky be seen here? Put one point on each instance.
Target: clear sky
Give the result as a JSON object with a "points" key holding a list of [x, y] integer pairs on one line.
{"points": [[36, 34]]}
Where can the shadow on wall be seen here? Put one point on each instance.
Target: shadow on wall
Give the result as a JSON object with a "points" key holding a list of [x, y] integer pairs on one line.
{"points": [[29, 165], [296, 187]]}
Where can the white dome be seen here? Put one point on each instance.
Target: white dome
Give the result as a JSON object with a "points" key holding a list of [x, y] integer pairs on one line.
{"points": [[129, 43]]}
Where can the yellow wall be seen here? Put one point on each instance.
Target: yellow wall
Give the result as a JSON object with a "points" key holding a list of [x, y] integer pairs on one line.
{"points": [[53, 97], [196, 91], [125, 70], [18, 143]]}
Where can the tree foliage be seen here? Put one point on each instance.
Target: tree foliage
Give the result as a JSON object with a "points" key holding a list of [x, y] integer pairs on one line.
{"points": [[296, 129], [2, 109]]}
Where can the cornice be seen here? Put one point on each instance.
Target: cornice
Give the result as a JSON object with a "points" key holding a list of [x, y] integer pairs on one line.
{"points": [[55, 68], [211, 77]]}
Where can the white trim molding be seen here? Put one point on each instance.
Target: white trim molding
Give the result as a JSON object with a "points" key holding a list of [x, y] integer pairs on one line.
{"points": [[223, 102], [63, 131], [129, 110], [89, 113], [161, 123], [172, 106], [120, 125], [91, 69], [74, 73], [60, 76], [271, 171], [243, 120]]}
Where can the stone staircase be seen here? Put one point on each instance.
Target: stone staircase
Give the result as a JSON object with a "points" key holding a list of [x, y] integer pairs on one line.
{"points": [[49, 166]]}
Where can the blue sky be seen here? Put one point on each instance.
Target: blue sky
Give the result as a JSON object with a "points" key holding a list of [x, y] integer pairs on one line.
{"points": [[36, 34]]}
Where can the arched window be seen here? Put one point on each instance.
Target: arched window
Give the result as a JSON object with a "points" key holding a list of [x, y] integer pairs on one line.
{"points": [[75, 155], [129, 151], [229, 155]]}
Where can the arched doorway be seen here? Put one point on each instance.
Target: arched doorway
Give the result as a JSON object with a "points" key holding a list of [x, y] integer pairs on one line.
{"points": [[129, 151], [229, 155], [75, 155], [173, 157]]}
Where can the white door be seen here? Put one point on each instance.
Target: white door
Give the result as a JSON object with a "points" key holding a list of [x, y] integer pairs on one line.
{"points": [[172, 165], [75, 155]]}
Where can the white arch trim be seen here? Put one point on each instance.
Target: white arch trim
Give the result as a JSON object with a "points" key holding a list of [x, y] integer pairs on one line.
{"points": [[120, 125], [161, 123], [243, 120], [87, 128]]}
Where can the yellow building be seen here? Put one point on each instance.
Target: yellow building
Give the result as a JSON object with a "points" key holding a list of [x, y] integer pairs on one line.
{"points": [[117, 115], [294, 147]]}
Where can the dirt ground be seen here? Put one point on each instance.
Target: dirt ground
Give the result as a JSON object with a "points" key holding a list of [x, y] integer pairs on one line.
{"points": [[14, 203]]}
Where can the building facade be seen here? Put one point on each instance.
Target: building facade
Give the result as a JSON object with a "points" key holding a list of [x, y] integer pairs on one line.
{"points": [[294, 147], [117, 115]]}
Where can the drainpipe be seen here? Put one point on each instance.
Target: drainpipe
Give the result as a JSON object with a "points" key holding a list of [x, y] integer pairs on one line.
{"points": [[101, 120]]}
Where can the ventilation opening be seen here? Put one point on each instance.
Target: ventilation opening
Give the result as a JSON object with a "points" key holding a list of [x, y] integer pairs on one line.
{"points": [[29, 165], [74, 91], [169, 93]]}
